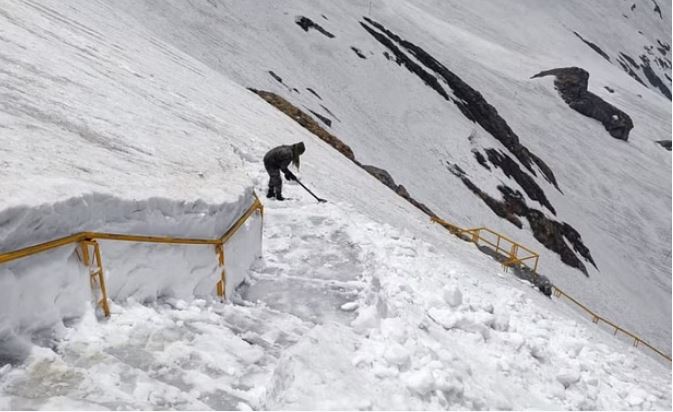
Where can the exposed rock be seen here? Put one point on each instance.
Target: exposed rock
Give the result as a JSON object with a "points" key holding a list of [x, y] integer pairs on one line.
{"points": [[306, 121], [358, 52], [594, 46], [312, 126], [657, 9], [314, 93], [511, 169], [329, 112], [306, 24], [480, 159], [551, 233], [469, 101], [663, 48], [401, 58], [609, 89], [276, 77], [631, 66], [322, 118], [653, 78], [628, 64], [572, 82], [384, 177], [666, 144]]}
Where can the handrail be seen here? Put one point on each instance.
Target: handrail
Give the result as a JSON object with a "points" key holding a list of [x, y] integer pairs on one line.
{"points": [[88, 239], [78, 237], [513, 259], [595, 318]]}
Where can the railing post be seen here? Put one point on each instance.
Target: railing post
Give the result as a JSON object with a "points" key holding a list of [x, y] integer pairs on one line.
{"points": [[513, 252], [537, 259], [96, 276], [221, 286], [475, 237]]}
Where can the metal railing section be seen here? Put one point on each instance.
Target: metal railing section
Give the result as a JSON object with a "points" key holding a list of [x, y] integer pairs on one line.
{"points": [[504, 245], [90, 252]]}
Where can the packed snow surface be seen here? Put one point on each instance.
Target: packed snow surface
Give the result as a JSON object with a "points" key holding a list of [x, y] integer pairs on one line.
{"points": [[133, 117], [616, 194], [342, 313]]}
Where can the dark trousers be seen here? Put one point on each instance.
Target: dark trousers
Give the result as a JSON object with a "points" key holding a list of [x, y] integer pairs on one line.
{"points": [[275, 182]]}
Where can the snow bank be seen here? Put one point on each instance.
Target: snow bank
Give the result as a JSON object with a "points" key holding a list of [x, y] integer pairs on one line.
{"points": [[40, 292]]}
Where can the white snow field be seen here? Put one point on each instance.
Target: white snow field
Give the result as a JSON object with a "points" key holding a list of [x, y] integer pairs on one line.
{"points": [[616, 194], [134, 117]]}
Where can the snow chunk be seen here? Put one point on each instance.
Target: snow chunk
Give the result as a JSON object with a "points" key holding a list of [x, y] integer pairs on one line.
{"points": [[349, 306], [242, 406], [397, 354], [421, 382], [394, 328], [501, 322], [367, 319], [568, 377], [453, 296], [445, 317]]}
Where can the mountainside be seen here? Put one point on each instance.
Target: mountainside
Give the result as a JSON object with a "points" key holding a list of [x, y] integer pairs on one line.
{"points": [[441, 95], [542, 121]]}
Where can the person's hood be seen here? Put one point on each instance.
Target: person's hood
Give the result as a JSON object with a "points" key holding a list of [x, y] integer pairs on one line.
{"points": [[298, 148]]}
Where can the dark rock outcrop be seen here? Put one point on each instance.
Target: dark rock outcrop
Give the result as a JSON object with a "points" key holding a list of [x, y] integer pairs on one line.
{"points": [[481, 159], [511, 169], [593, 46], [322, 118], [657, 9], [305, 121], [306, 24], [630, 66], [468, 100], [652, 77], [572, 84], [312, 126], [384, 177], [358, 52], [551, 233], [277, 78], [666, 144], [314, 93]]}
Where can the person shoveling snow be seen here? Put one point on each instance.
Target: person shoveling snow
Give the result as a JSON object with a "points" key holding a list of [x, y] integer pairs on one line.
{"points": [[278, 159]]}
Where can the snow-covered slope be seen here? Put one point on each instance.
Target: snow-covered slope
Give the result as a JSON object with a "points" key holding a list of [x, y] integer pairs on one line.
{"points": [[616, 195], [135, 118], [343, 313]]}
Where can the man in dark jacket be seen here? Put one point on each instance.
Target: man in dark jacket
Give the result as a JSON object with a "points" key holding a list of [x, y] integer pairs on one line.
{"points": [[277, 159]]}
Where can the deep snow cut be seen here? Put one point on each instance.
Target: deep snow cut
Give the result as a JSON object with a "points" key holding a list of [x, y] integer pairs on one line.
{"points": [[133, 118]]}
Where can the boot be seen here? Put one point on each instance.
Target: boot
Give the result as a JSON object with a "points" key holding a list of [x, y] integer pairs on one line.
{"points": [[270, 193], [279, 196]]}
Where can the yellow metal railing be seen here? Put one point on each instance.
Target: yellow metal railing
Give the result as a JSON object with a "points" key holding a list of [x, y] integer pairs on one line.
{"points": [[91, 253], [504, 245], [500, 243], [595, 318], [511, 249]]}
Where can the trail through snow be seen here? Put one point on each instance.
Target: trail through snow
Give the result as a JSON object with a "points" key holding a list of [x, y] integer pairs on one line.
{"points": [[341, 313]]}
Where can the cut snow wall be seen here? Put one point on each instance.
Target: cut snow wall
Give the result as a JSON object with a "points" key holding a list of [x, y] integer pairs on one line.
{"points": [[41, 292]]}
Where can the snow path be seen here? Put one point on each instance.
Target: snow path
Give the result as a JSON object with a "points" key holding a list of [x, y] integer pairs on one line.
{"points": [[310, 286], [341, 313]]}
